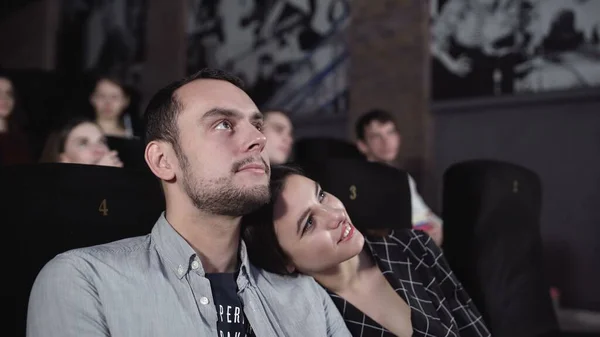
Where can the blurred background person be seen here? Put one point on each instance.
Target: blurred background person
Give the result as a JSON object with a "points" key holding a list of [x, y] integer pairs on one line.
{"points": [[110, 100], [14, 146], [279, 131], [79, 141], [379, 140]]}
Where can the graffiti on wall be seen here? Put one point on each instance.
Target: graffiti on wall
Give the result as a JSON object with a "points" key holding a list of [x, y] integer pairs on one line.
{"points": [[291, 54]]}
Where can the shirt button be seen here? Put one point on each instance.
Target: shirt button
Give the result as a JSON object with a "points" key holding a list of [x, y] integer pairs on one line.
{"points": [[204, 300], [195, 265]]}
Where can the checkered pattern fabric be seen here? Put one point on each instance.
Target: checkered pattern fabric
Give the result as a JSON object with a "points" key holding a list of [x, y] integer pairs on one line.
{"points": [[416, 268]]}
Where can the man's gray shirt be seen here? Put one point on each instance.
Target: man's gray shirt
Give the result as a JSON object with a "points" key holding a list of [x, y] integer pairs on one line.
{"points": [[155, 285]]}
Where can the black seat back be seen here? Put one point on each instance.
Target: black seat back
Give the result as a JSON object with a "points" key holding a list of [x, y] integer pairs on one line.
{"points": [[131, 151], [319, 148], [376, 196], [491, 213], [57, 207]]}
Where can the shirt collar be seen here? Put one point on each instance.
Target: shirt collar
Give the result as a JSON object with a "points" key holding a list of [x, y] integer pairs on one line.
{"points": [[181, 257], [246, 274]]}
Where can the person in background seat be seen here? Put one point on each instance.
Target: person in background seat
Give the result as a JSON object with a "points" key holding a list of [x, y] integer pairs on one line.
{"points": [[79, 141], [379, 140], [278, 129], [110, 100], [14, 143]]}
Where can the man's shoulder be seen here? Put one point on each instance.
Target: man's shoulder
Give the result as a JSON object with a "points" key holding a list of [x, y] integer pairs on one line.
{"points": [[299, 301], [283, 281], [283, 286], [107, 254]]}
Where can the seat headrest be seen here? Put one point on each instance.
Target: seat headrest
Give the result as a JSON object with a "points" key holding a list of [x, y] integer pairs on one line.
{"points": [[67, 197], [470, 183], [53, 208], [315, 149], [131, 151], [376, 196]]}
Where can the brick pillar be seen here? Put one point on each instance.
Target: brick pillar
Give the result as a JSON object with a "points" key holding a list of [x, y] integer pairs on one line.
{"points": [[389, 69], [165, 46], [28, 36]]}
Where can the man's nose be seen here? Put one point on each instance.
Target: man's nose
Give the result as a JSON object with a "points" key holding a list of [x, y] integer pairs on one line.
{"points": [[254, 140]]}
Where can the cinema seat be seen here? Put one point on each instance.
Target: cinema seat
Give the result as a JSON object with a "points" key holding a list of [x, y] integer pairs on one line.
{"points": [[57, 207], [376, 195], [491, 212]]}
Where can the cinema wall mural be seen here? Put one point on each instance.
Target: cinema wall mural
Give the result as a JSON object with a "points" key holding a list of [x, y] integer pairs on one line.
{"points": [[291, 54], [485, 48]]}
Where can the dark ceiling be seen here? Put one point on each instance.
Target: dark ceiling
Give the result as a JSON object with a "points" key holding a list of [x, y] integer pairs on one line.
{"points": [[7, 7]]}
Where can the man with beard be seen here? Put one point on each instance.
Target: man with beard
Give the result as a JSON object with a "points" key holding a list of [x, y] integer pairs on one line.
{"points": [[190, 276]]}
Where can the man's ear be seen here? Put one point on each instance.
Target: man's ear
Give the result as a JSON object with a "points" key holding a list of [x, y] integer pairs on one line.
{"points": [[160, 160], [362, 147]]}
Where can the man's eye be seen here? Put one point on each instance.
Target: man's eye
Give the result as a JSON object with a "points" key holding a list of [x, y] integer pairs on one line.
{"points": [[224, 125]]}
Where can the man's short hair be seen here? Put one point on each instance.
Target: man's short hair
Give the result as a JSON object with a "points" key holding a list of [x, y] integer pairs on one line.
{"points": [[370, 116], [160, 117]]}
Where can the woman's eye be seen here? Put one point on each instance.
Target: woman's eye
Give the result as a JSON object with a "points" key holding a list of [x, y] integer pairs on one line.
{"points": [[308, 225], [321, 195], [224, 125]]}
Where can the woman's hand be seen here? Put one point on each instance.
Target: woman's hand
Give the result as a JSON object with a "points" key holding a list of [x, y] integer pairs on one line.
{"points": [[110, 159]]}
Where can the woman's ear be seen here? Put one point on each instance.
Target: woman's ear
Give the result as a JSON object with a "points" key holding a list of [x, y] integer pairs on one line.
{"points": [[290, 268]]}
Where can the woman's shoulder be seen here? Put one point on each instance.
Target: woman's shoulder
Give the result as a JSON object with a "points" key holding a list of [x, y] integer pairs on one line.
{"points": [[402, 236], [414, 243]]}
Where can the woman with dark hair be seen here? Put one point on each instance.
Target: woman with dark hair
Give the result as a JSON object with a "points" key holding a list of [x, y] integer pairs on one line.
{"points": [[110, 100], [79, 141], [396, 285], [14, 145]]}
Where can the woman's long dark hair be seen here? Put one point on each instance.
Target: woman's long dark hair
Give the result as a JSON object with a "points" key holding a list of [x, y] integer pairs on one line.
{"points": [[258, 230]]}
